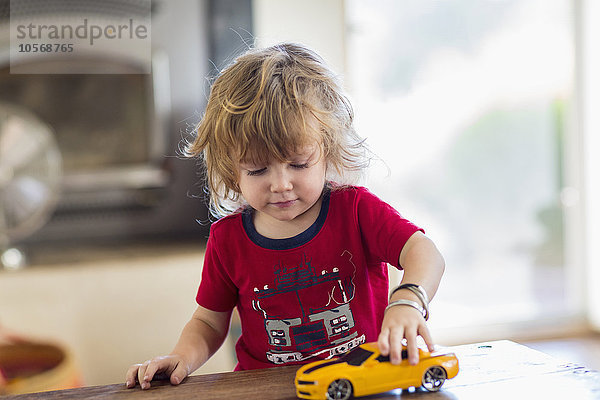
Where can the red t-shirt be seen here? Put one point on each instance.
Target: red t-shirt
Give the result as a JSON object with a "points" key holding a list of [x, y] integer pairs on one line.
{"points": [[312, 296]]}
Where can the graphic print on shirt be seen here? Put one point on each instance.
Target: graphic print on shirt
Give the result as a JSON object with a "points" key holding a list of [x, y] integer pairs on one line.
{"points": [[318, 320]]}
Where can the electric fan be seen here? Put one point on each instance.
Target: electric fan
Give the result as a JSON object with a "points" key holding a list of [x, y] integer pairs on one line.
{"points": [[30, 178]]}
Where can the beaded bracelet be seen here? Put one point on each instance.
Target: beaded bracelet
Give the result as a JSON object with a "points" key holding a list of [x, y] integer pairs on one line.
{"points": [[410, 303]]}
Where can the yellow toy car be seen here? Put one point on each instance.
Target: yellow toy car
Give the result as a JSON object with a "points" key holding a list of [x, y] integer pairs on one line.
{"points": [[364, 371]]}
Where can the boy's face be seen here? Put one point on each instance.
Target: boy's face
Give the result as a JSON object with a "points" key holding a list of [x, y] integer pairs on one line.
{"points": [[285, 195]]}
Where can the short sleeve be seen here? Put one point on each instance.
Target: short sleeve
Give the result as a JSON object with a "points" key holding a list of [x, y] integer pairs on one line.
{"points": [[216, 292], [383, 229]]}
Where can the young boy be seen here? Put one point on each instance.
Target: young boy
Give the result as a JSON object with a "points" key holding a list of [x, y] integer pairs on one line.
{"points": [[301, 256]]}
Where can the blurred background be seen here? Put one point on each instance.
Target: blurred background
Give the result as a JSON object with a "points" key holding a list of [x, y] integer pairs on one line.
{"points": [[481, 114]]}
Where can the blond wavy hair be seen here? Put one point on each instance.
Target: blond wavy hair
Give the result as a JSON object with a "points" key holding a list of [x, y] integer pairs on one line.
{"points": [[266, 105]]}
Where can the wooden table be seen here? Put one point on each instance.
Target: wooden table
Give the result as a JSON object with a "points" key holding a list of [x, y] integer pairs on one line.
{"points": [[490, 370]]}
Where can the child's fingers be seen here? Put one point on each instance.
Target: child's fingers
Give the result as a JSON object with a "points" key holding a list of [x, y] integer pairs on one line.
{"points": [[131, 375], [411, 347], [383, 342], [153, 366], [141, 373], [424, 332], [395, 343], [158, 367], [179, 374]]}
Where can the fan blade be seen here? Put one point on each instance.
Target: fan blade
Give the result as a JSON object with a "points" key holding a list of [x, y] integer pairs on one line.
{"points": [[3, 226], [20, 142], [23, 196]]}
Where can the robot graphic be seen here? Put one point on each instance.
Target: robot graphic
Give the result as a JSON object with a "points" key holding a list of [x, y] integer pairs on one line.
{"points": [[325, 325]]}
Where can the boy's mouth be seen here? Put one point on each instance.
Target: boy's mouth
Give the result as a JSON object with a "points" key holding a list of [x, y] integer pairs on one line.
{"points": [[283, 204]]}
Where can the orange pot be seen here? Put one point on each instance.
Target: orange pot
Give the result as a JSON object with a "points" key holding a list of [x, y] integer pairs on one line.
{"points": [[27, 367]]}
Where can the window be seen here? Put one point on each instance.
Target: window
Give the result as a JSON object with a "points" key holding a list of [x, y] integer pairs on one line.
{"points": [[467, 102], [356, 357]]}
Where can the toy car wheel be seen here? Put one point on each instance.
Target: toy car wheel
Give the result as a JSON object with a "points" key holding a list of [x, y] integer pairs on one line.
{"points": [[434, 378], [340, 389]]}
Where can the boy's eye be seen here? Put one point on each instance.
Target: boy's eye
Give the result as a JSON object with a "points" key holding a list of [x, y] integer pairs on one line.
{"points": [[299, 166], [256, 171]]}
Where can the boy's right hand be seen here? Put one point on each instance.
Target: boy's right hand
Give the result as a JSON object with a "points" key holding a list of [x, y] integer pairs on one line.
{"points": [[172, 366]]}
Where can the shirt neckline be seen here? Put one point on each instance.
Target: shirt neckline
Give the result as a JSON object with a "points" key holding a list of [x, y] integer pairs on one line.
{"points": [[287, 243]]}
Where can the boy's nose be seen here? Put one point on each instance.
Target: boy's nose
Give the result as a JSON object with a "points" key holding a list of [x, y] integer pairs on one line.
{"points": [[281, 181]]}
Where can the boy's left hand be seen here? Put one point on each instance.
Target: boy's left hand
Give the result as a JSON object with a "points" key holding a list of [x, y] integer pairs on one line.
{"points": [[401, 322]]}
